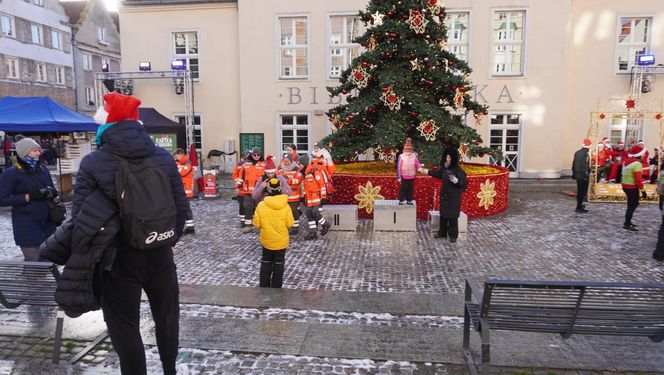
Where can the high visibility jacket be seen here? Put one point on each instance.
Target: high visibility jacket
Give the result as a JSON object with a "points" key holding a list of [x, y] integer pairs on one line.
{"points": [[251, 173], [313, 188], [294, 179], [320, 163], [237, 178], [187, 173], [273, 216]]}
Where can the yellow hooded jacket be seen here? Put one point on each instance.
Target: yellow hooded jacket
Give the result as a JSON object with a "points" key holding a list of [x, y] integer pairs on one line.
{"points": [[274, 217]]}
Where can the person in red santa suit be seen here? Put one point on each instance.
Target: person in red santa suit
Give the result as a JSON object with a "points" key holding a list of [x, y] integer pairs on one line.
{"points": [[599, 160], [645, 161], [617, 157]]}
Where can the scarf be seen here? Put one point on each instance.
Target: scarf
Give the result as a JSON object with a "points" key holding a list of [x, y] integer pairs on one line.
{"points": [[100, 131], [31, 162]]}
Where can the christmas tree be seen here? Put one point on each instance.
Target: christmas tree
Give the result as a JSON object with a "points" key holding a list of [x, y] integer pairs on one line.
{"points": [[405, 84]]}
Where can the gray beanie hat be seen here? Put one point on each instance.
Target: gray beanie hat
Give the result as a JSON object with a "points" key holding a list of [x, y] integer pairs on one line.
{"points": [[26, 145]]}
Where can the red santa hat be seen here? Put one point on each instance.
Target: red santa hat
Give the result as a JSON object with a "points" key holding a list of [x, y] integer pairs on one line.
{"points": [[606, 140], [121, 107], [586, 143], [621, 143], [640, 142], [636, 151], [270, 167]]}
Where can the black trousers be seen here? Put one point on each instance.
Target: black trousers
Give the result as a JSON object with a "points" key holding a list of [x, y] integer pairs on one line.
{"points": [[133, 271], [314, 216], [272, 268], [581, 192], [406, 190], [240, 201], [249, 207], [632, 203], [449, 227], [295, 209]]}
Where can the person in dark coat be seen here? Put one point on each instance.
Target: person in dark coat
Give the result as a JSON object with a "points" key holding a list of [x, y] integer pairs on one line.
{"points": [[454, 184], [26, 187], [133, 270], [581, 174]]}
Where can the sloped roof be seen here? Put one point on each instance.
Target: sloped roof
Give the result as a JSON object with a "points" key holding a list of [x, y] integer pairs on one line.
{"points": [[74, 9]]}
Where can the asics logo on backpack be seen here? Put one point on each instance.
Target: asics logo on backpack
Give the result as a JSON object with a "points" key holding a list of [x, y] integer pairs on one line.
{"points": [[159, 236]]}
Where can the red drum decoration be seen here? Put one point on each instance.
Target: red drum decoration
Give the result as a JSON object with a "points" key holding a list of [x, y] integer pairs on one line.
{"points": [[478, 200]]}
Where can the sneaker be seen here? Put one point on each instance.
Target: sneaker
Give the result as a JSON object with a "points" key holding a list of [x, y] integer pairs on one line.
{"points": [[325, 229], [632, 225], [311, 236], [630, 228], [438, 235], [246, 229], [410, 203], [182, 369], [581, 210], [453, 239], [401, 203], [189, 230]]}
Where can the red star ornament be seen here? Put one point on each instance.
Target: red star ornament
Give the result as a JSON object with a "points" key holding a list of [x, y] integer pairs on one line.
{"points": [[630, 103], [417, 22], [360, 77]]}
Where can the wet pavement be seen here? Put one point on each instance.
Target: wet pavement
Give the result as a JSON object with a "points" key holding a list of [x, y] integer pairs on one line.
{"points": [[365, 302]]}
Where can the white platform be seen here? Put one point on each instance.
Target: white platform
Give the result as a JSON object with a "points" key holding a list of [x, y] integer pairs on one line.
{"points": [[389, 215], [434, 221], [342, 217]]}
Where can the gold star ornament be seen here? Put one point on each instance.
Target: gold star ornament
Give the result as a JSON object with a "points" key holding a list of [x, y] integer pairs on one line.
{"points": [[415, 64], [487, 194], [368, 194]]}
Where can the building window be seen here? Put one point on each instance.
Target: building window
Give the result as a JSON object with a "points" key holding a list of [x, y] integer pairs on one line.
{"points": [[60, 75], [56, 39], [457, 34], [87, 61], [343, 30], [185, 46], [625, 129], [41, 72], [13, 69], [198, 134], [293, 47], [101, 35], [7, 23], [504, 135], [89, 96], [38, 2], [37, 34], [633, 40], [295, 129], [508, 42]]}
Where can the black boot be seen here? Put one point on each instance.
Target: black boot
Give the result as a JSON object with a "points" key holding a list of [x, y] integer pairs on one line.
{"points": [[266, 274]]}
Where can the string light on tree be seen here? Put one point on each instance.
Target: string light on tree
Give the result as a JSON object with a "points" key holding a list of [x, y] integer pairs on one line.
{"points": [[428, 129]]}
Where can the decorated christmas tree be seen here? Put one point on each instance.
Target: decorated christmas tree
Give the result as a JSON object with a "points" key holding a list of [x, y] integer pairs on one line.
{"points": [[405, 84]]}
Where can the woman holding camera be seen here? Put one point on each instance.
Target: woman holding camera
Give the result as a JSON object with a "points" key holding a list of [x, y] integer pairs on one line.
{"points": [[27, 187]]}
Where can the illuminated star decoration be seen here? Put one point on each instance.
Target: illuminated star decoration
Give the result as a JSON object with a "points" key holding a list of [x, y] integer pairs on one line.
{"points": [[434, 6], [458, 100], [428, 129], [387, 155], [415, 64], [372, 43], [487, 193], [463, 150], [478, 118], [368, 194], [630, 103], [377, 18], [336, 123], [391, 99], [442, 44], [360, 77], [417, 22]]}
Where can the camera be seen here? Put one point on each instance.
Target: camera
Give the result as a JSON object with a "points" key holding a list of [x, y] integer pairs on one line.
{"points": [[48, 192]]}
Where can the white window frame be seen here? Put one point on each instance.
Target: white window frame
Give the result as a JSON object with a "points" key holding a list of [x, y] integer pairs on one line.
{"points": [[38, 2], [505, 126], [620, 123], [281, 47], [452, 43], [60, 75], [646, 45], [101, 35], [341, 46], [280, 127], [187, 56], [59, 38], [198, 128], [7, 25], [87, 61], [39, 33], [494, 43], [89, 96], [16, 64], [44, 77]]}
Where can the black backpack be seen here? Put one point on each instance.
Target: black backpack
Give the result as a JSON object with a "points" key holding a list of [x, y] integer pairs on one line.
{"points": [[145, 199]]}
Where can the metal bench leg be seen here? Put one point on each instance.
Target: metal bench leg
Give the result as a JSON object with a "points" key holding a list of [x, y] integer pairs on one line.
{"points": [[468, 360], [485, 361], [57, 342]]}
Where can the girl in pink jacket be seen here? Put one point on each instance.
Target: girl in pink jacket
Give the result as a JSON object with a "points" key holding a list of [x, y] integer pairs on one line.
{"points": [[407, 166]]}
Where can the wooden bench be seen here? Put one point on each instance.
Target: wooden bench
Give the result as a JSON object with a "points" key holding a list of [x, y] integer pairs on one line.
{"points": [[567, 308], [33, 284]]}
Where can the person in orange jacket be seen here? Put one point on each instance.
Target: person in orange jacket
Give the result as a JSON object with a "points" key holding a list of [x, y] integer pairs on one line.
{"points": [[313, 193], [292, 171], [252, 170], [239, 193], [187, 173], [320, 152]]}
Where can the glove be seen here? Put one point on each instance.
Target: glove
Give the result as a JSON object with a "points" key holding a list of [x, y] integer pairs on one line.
{"points": [[37, 195], [398, 180], [423, 170], [644, 195], [454, 179]]}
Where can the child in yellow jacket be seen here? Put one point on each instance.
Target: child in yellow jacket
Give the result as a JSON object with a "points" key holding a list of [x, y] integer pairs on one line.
{"points": [[274, 218]]}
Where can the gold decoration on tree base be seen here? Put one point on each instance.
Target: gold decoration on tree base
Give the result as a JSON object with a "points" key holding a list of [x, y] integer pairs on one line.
{"points": [[487, 193], [368, 194]]}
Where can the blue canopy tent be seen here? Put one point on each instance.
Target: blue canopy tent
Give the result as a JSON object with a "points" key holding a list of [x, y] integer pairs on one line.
{"points": [[41, 114]]}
